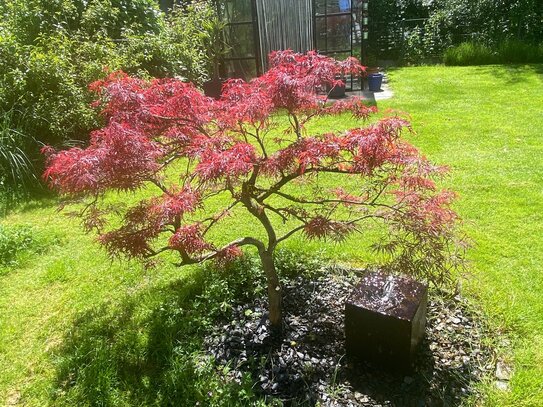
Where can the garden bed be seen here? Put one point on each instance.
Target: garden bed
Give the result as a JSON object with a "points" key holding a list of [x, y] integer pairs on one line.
{"points": [[308, 364]]}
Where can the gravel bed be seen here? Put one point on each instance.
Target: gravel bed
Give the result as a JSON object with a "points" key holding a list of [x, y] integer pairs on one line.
{"points": [[307, 365]]}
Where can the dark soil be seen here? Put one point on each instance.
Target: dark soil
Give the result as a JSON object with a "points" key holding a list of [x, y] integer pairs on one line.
{"points": [[307, 363]]}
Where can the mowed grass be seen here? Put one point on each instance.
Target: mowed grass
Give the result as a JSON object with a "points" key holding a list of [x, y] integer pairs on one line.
{"points": [[71, 319], [487, 124]]}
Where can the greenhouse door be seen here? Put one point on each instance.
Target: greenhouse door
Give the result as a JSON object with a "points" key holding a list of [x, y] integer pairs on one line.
{"points": [[257, 27], [284, 24], [338, 31]]}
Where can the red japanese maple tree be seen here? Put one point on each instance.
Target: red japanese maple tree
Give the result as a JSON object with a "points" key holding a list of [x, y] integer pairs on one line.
{"points": [[165, 135]]}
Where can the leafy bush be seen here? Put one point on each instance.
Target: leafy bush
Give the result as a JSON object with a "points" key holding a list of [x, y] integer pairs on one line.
{"points": [[469, 53], [386, 39], [51, 50], [426, 43], [450, 23], [490, 22], [177, 50], [509, 52], [32, 19]]}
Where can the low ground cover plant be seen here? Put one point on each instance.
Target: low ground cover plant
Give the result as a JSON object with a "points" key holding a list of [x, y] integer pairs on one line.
{"points": [[187, 149], [20, 243], [13, 241]]}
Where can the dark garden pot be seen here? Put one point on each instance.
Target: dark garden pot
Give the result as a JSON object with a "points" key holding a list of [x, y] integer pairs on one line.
{"points": [[385, 319], [375, 80], [213, 88], [337, 92]]}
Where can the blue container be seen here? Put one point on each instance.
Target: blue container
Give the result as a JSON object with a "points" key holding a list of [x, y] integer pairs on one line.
{"points": [[375, 81]]}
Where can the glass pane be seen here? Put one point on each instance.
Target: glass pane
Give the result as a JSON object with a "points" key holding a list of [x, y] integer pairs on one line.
{"points": [[320, 7], [356, 35], [245, 69], [238, 10], [338, 6], [333, 6], [339, 32], [357, 44], [320, 33], [357, 5], [340, 56], [241, 40]]}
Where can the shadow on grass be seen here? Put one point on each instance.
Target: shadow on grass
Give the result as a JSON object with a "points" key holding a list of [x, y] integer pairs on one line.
{"points": [[514, 74], [146, 349], [39, 199]]}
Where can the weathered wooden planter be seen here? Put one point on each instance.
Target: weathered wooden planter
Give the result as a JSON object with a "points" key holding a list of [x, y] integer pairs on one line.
{"points": [[385, 317]]}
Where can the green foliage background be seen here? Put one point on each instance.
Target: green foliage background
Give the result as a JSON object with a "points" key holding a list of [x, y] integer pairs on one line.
{"points": [[50, 50], [448, 23]]}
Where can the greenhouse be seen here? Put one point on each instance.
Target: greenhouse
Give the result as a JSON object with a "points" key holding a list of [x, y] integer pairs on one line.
{"points": [[257, 27]]}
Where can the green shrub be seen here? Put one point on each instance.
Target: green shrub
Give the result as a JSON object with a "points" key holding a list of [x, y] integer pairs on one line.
{"points": [[508, 52], [50, 50], [31, 19], [176, 51], [427, 43], [449, 23], [518, 52], [46, 70], [469, 53], [491, 22]]}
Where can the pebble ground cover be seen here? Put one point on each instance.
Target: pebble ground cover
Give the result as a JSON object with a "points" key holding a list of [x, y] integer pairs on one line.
{"points": [[307, 365], [79, 329]]}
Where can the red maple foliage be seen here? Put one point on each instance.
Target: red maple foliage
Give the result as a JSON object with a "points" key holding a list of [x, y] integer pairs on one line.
{"points": [[165, 134]]}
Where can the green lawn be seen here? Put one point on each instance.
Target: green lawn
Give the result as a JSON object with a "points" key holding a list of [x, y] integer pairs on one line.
{"points": [[66, 303]]}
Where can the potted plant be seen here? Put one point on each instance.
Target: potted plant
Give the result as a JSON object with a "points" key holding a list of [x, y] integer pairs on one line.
{"points": [[375, 80], [216, 49], [338, 90], [374, 77], [343, 70]]}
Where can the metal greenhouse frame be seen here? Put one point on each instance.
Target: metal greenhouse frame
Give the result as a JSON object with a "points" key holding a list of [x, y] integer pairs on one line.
{"points": [[255, 27]]}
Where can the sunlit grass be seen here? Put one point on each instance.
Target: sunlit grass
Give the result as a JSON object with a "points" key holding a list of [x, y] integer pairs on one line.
{"points": [[486, 123]]}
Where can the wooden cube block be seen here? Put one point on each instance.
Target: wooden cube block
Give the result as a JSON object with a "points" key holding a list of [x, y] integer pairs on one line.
{"points": [[385, 318]]}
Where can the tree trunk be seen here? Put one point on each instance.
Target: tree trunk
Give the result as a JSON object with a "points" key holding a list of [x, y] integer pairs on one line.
{"points": [[274, 289]]}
